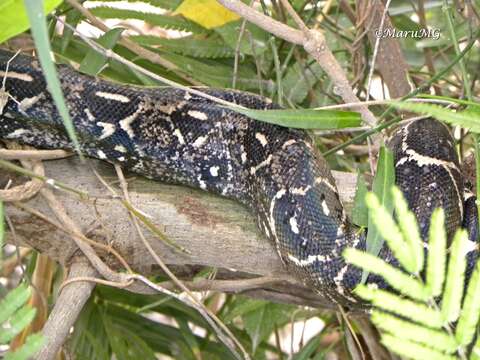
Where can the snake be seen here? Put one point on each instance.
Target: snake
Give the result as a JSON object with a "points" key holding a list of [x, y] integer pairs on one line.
{"points": [[176, 136]]}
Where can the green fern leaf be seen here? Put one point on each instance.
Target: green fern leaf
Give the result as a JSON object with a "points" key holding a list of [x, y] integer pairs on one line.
{"points": [[409, 227], [389, 230], [162, 4], [470, 314], [417, 312], [17, 323], [452, 297], [437, 255], [406, 330], [164, 21], [204, 48], [398, 279], [13, 301], [412, 350], [32, 345]]}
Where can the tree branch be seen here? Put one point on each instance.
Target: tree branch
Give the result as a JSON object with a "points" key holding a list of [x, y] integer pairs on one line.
{"points": [[207, 225], [313, 42], [66, 310]]}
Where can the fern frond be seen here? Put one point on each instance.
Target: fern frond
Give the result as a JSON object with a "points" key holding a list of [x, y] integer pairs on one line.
{"points": [[453, 293], [19, 321], [206, 48], [413, 350], [13, 301], [470, 314], [398, 279], [407, 330], [164, 21], [437, 254], [418, 312], [409, 228], [32, 345], [389, 230]]}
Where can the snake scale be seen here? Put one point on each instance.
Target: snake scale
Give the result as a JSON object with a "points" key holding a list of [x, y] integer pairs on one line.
{"points": [[174, 136]]}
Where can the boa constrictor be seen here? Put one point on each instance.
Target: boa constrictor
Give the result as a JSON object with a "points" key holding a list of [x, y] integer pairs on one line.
{"points": [[174, 136]]}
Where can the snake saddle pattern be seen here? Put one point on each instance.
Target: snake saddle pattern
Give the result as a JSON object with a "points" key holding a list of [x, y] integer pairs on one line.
{"points": [[174, 136]]}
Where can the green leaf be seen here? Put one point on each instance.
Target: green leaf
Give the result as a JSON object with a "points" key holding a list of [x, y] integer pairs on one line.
{"points": [[396, 278], [94, 62], [388, 230], [412, 350], [409, 228], [212, 47], [382, 183], [470, 314], [164, 21], [387, 301], [73, 18], [360, 209], [13, 301], [454, 285], [406, 330], [40, 36], [32, 345], [13, 17], [299, 80], [241, 307], [466, 119], [437, 254], [2, 229], [305, 119], [18, 321], [252, 35]]}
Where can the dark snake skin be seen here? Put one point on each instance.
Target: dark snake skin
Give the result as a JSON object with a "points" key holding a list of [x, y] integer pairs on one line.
{"points": [[177, 137]]}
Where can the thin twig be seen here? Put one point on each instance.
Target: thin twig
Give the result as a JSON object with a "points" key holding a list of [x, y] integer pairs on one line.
{"points": [[131, 45]]}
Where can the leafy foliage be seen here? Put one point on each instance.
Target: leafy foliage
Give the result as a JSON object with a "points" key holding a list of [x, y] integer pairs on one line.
{"points": [[418, 322], [134, 326], [16, 315]]}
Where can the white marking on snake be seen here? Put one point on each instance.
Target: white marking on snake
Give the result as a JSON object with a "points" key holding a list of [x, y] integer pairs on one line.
{"points": [[264, 163], [260, 137], [111, 96], [27, 103], [197, 115], [108, 129], [288, 143], [16, 75], [199, 141], [89, 114], [294, 225], [214, 171], [244, 157], [179, 136], [126, 123], [325, 208], [121, 158], [301, 191], [187, 96], [271, 219], [18, 132], [423, 160], [470, 246], [339, 278], [120, 148], [321, 180], [201, 183], [308, 261], [101, 154]]}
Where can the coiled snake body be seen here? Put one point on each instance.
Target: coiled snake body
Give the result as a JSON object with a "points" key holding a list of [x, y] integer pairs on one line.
{"points": [[178, 137]]}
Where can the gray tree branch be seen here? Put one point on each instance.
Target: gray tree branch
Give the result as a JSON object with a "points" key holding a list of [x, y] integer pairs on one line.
{"points": [[217, 232]]}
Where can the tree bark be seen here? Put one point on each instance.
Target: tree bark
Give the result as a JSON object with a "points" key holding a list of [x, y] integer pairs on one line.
{"points": [[217, 232]]}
